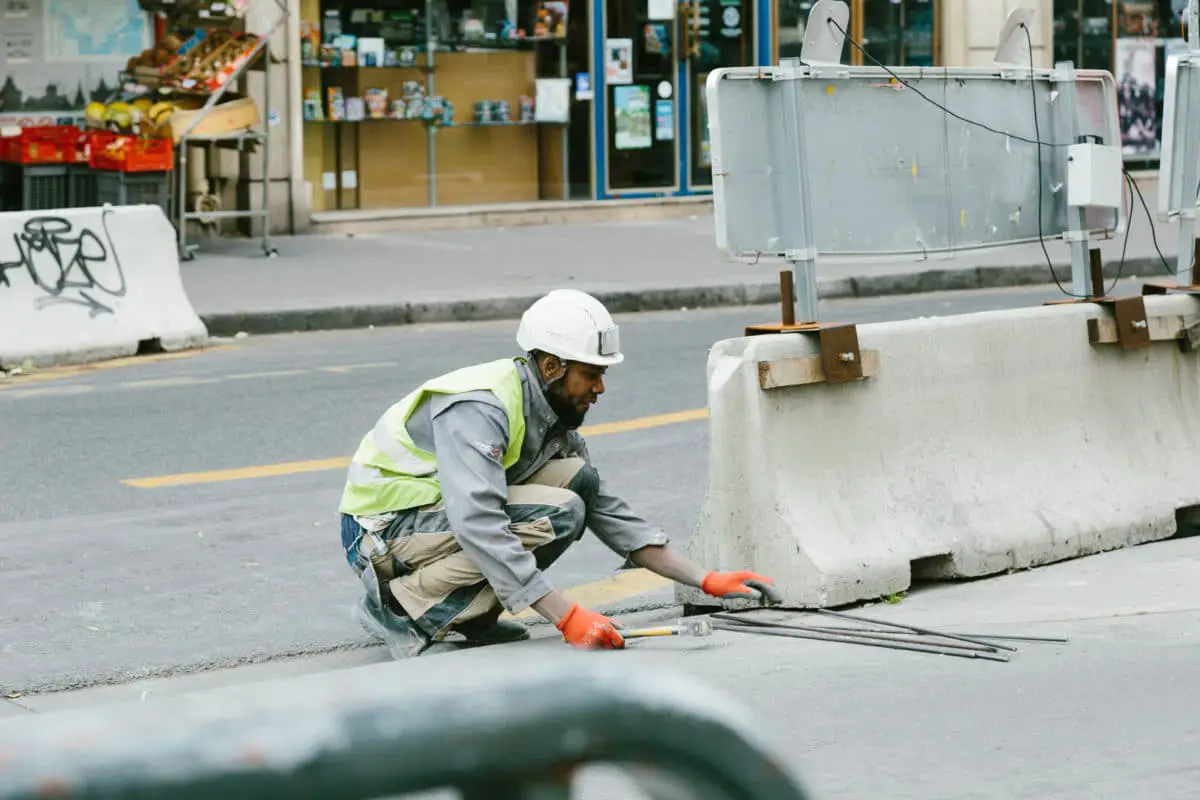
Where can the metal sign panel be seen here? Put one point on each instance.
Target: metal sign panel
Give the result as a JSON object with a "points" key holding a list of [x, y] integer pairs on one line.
{"points": [[889, 173]]}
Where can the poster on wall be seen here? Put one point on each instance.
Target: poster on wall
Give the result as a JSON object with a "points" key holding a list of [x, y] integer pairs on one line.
{"points": [[664, 120], [56, 56], [631, 110], [618, 61], [1136, 85]]}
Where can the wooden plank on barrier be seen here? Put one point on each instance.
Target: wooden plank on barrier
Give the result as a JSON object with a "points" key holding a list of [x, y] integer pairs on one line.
{"points": [[802, 370], [1162, 329]]}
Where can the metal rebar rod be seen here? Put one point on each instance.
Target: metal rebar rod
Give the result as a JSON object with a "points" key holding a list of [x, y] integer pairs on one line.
{"points": [[912, 628], [829, 637], [893, 636], [981, 636]]}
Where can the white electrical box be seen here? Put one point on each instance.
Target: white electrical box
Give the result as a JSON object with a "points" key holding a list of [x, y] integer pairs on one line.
{"points": [[1094, 175]]}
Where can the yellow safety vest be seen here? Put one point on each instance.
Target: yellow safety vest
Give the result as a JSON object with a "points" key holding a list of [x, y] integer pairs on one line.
{"points": [[390, 473]]}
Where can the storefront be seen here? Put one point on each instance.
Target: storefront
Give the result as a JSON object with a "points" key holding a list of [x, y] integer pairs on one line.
{"points": [[1133, 39], [448, 103], [899, 33], [57, 56]]}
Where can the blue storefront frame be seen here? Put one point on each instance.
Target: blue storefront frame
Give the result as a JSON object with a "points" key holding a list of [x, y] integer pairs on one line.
{"points": [[763, 47]]}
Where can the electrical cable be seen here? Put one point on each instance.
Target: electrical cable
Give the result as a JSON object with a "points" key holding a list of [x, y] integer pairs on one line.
{"points": [[1041, 179], [935, 103], [1150, 218], [1040, 144]]}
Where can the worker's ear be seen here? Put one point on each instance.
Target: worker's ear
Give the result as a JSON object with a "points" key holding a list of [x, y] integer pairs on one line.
{"points": [[552, 368]]}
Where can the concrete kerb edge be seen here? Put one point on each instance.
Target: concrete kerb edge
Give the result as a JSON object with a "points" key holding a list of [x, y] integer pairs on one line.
{"points": [[667, 299]]}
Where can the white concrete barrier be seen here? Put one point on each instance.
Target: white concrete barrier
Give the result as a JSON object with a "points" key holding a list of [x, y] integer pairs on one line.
{"points": [[985, 443], [90, 283]]}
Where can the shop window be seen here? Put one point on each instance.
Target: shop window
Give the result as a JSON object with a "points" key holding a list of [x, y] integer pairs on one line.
{"points": [[1145, 33], [899, 33], [793, 16], [444, 102], [896, 32]]}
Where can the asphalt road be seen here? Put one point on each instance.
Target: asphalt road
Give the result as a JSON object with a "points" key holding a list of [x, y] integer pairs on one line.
{"points": [[105, 582]]}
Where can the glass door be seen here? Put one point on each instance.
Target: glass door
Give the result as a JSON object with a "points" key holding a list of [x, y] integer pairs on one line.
{"points": [[900, 33], [640, 83], [721, 34]]}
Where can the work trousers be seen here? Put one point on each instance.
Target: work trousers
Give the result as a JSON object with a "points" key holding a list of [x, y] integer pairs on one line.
{"points": [[434, 581]]}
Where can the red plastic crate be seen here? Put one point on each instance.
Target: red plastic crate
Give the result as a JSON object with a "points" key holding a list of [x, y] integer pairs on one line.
{"points": [[40, 145], [123, 153]]}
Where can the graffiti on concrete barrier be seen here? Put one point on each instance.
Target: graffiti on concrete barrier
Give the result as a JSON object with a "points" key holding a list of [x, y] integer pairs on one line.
{"points": [[69, 266]]}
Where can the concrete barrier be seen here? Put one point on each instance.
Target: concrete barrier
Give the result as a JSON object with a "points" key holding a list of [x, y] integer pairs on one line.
{"points": [[984, 443], [90, 283]]}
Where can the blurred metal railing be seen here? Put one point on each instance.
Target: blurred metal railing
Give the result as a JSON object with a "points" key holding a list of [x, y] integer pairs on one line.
{"points": [[515, 730]]}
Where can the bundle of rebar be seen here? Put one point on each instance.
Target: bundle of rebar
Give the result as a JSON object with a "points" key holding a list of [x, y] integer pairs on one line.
{"points": [[890, 635]]}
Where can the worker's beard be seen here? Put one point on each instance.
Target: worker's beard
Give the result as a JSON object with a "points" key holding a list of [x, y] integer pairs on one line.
{"points": [[564, 407]]}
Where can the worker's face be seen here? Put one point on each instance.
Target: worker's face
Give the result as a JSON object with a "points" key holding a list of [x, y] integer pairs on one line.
{"points": [[573, 395]]}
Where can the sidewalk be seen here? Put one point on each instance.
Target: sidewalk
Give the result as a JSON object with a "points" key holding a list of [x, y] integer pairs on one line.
{"points": [[350, 281]]}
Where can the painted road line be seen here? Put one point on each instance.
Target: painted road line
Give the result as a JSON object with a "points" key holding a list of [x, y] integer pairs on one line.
{"points": [[320, 465], [166, 383], [245, 473], [278, 373], [51, 391], [343, 369], [76, 370], [629, 583]]}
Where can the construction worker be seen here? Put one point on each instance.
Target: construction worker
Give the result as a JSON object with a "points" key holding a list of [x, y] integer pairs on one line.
{"points": [[470, 486]]}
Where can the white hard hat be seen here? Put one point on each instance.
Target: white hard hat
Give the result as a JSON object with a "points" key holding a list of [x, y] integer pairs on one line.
{"points": [[572, 325]]}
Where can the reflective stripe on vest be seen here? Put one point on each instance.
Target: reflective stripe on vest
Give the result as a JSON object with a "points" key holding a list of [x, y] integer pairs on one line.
{"points": [[390, 473]]}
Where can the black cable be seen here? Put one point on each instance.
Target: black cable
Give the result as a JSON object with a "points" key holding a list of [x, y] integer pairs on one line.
{"points": [[1150, 218], [1040, 144], [1037, 132], [933, 102]]}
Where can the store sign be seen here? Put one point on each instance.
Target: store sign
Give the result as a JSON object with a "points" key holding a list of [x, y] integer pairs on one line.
{"points": [[34, 119]]}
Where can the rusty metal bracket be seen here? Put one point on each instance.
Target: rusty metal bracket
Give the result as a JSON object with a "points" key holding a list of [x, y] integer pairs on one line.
{"points": [[1133, 329], [1168, 285], [841, 359]]}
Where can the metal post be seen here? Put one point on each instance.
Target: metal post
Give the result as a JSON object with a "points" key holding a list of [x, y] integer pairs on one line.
{"points": [[1193, 26], [803, 261], [566, 163], [266, 170], [1188, 108], [1068, 116], [431, 127], [181, 178]]}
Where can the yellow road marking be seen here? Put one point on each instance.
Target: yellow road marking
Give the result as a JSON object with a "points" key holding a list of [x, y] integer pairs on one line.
{"points": [[609, 590], [160, 383], [342, 369], [278, 373], [51, 391], [244, 473], [75, 370], [642, 423], [320, 465]]}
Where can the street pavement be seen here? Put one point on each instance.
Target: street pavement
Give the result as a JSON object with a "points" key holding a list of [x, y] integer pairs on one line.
{"points": [[1111, 713], [323, 282], [105, 581]]}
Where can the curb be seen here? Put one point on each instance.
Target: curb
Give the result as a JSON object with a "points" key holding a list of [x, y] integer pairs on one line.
{"points": [[667, 299]]}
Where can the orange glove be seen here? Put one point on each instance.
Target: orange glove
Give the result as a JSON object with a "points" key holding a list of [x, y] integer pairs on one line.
{"points": [[738, 584], [590, 631]]}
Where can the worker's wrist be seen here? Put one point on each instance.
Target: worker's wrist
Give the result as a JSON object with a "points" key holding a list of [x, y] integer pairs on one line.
{"points": [[553, 606], [567, 617]]}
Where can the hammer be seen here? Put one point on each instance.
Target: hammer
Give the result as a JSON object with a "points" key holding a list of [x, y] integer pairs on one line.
{"points": [[696, 627]]}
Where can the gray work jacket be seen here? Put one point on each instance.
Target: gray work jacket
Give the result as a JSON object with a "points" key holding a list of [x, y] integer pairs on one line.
{"points": [[465, 432]]}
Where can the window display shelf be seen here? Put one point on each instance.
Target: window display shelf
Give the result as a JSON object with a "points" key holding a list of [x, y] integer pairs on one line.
{"points": [[361, 170]]}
